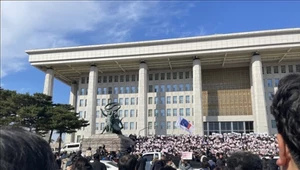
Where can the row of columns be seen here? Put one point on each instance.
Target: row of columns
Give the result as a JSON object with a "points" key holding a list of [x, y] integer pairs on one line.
{"points": [[257, 93]]}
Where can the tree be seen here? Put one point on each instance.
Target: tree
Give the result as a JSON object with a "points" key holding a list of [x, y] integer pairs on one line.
{"points": [[64, 120], [8, 108]]}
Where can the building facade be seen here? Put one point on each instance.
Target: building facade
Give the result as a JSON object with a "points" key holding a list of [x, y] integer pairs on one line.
{"points": [[220, 83]]}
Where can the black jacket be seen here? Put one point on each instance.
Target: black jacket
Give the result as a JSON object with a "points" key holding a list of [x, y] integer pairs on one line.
{"points": [[141, 164], [158, 165], [97, 165]]}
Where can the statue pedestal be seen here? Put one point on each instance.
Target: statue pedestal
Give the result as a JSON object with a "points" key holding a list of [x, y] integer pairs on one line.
{"points": [[112, 142]]}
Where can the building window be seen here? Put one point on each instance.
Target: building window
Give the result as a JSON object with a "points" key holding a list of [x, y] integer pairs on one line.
{"points": [[168, 125], [133, 89], [82, 91], [149, 100], [187, 99], [156, 88], [168, 88], [225, 127], [269, 70], [187, 75], [109, 90], [188, 112], [181, 112], [84, 114], [168, 76], [181, 87], [180, 99], [150, 88], [121, 101], [238, 127], [99, 79], [273, 124], [162, 125], [120, 113], [174, 75], [132, 77], [132, 101], [187, 87], [174, 112], [121, 78], [155, 125], [162, 100], [125, 125], [156, 76], [98, 102], [168, 112], [276, 81], [249, 127], [168, 99], [162, 76], [214, 127], [116, 90], [103, 102], [275, 69], [82, 80], [97, 126], [104, 90], [269, 82], [174, 125], [162, 113], [104, 79], [270, 95], [127, 90], [174, 87], [180, 75], [150, 113], [298, 68], [81, 102], [81, 114], [126, 101], [116, 79], [162, 88], [155, 100], [283, 69], [174, 99], [125, 113], [115, 100], [127, 78], [150, 77], [86, 91], [291, 68], [99, 91], [121, 90], [155, 112], [131, 126], [78, 138], [149, 125], [110, 79], [131, 113]]}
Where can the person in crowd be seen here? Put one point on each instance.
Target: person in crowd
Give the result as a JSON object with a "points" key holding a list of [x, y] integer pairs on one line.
{"points": [[157, 165], [205, 165], [170, 163], [141, 164], [286, 111], [82, 164], [244, 161], [58, 160], [97, 165], [184, 165], [88, 153], [23, 150], [220, 160], [127, 162]]}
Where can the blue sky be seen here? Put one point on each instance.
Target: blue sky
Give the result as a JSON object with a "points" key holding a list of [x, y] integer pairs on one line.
{"points": [[33, 25]]}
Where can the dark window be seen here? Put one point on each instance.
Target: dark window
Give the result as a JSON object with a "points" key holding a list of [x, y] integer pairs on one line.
{"points": [[122, 78], [99, 79], [132, 77], [269, 70], [175, 75], [110, 78], [168, 76], [298, 68], [116, 78], [150, 76], [127, 78], [156, 76], [275, 69], [180, 75], [249, 127], [162, 76], [291, 68], [283, 69], [104, 79]]}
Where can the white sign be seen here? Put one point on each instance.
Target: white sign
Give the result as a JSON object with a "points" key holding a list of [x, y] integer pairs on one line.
{"points": [[187, 155]]}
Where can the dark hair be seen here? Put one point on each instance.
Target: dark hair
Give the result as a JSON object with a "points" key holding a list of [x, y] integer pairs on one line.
{"points": [[127, 162], [244, 161], [82, 164], [96, 156], [205, 163], [24, 150], [286, 111]]}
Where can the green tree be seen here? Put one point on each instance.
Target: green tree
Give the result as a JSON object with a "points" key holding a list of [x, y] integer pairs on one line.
{"points": [[8, 108], [64, 120]]}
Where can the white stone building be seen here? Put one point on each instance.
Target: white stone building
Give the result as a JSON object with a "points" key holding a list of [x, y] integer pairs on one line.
{"points": [[220, 83]]}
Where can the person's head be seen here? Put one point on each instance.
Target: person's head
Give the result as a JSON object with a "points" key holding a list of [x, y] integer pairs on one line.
{"points": [[82, 164], [244, 161], [286, 111], [205, 163], [24, 150], [96, 156], [127, 162]]}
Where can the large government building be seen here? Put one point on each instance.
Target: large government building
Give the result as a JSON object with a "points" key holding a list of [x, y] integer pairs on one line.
{"points": [[220, 83]]}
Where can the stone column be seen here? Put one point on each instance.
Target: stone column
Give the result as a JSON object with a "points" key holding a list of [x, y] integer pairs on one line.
{"points": [[48, 85], [258, 99], [197, 93], [142, 97], [72, 101], [91, 101]]}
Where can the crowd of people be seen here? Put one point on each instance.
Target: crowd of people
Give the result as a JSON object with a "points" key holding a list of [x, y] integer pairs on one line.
{"points": [[260, 144], [23, 150]]}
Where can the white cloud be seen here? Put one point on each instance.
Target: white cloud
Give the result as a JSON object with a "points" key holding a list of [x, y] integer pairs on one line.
{"points": [[33, 25]]}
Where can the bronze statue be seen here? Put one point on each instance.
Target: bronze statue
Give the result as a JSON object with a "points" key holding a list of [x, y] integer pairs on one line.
{"points": [[113, 121]]}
